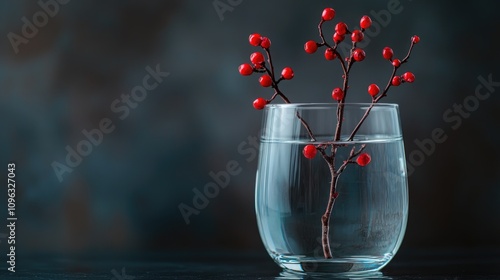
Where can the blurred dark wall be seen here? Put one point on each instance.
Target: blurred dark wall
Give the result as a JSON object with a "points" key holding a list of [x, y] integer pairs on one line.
{"points": [[124, 196]]}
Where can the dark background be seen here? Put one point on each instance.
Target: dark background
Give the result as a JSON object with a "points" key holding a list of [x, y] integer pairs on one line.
{"points": [[124, 196]]}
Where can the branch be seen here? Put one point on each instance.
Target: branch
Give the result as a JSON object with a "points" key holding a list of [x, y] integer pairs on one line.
{"points": [[270, 72], [349, 160], [345, 86], [306, 126], [383, 94]]}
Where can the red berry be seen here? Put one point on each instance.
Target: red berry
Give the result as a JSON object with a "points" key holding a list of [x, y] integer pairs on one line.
{"points": [[259, 103], [387, 53], [396, 81], [357, 36], [373, 89], [341, 28], [265, 81], [330, 54], [409, 77], [338, 94], [309, 151], [265, 43], [310, 47], [365, 22], [257, 58], [396, 62], [328, 14], [254, 39], [245, 69], [287, 73], [363, 159], [337, 38], [415, 39], [358, 54], [335, 195]]}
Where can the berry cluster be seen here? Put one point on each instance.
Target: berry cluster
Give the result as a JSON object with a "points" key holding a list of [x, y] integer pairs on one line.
{"points": [[357, 54], [328, 151], [268, 79], [259, 65]]}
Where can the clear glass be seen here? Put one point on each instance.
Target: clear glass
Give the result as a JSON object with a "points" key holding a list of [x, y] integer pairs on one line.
{"points": [[368, 219]]}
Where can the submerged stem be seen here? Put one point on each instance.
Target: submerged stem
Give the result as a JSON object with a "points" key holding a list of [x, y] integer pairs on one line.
{"points": [[325, 219]]}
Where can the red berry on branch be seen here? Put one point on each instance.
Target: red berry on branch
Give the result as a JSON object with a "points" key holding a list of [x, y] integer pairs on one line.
{"points": [[309, 151], [396, 62], [337, 38], [330, 54], [328, 14], [265, 43], [259, 103], [373, 89], [335, 195], [265, 81], [358, 54], [257, 58], [245, 69], [363, 159], [341, 28], [396, 81], [409, 77], [365, 22], [357, 36], [310, 47], [287, 73], [415, 39], [338, 94], [254, 39], [387, 53]]}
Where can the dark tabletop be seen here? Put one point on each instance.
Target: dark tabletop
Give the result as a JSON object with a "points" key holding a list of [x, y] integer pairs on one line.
{"points": [[423, 264]]}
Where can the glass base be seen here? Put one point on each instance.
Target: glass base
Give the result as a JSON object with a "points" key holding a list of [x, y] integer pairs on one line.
{"points": [[360, 266], [368, 275]]}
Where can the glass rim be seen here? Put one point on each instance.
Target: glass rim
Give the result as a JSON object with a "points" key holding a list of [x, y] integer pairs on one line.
{"points": [[330, 105]]}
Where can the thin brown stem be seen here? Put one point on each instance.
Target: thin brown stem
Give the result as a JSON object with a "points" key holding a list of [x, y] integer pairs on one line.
{"points": [[345, 88], [334, 48], [409, 53], [321, 36], [350, 160], [277, 92], [325, 219], [335, 174], [363, 118], [326, 157], [306, 126], [275, 82], [270, 61]]}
